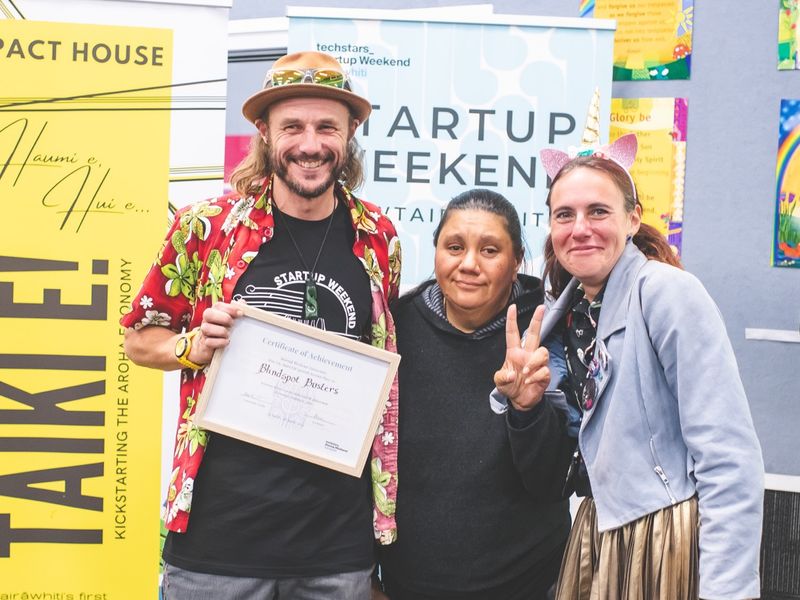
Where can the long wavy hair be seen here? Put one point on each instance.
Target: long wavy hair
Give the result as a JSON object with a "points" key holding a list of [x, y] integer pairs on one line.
{"points": [[648, 239], [251, 171]]}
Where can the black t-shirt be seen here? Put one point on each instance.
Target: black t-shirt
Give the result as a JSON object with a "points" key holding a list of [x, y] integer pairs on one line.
{"points": [[259, 513]]}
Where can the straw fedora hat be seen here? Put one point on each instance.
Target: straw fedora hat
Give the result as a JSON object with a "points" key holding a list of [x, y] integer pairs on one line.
{"points": [[301, 66]]}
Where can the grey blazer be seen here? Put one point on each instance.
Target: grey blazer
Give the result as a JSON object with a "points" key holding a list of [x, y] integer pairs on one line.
{"points": [[671, 419]]}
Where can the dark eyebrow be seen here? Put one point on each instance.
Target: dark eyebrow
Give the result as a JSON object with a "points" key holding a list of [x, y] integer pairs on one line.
{"points": [[488, 237], [455, 235]]}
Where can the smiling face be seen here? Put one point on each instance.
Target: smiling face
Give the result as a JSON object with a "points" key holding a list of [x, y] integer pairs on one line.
{"points": [[307, 139], [589, 225], [475, 266]]}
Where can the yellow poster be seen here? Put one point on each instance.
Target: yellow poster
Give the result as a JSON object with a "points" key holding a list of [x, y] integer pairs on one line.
{"points": [[653, 38], [84, 167], [660, 128], [788, 35]]}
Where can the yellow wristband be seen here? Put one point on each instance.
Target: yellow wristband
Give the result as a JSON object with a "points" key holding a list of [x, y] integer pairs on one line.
{"points": [[184, 346]]}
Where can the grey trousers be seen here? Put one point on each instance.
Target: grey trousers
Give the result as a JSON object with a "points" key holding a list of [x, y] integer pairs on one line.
{"points": [[180, 584]]}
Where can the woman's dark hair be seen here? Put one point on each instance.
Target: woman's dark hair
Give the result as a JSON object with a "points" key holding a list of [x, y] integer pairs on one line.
{"points": [[475, 199], [648, 239]]}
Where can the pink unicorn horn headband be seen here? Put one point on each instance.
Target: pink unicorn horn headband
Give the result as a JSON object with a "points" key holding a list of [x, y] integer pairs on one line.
{"points": [[622, 151]]}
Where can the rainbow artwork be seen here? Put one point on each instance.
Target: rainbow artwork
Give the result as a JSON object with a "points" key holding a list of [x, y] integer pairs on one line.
{"points": [[786, 248], [586, 8]]}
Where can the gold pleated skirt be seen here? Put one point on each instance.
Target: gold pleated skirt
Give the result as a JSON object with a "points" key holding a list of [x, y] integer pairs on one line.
{"points": [[652, 558]]}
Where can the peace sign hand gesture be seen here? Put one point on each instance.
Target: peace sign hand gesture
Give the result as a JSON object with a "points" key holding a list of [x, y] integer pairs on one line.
{"points": [[524, 376]]}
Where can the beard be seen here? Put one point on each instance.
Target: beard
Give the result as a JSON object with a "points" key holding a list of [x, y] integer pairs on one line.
{"points": [[280, 166]]}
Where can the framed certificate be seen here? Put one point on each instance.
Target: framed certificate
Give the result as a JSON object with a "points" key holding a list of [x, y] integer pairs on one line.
{"points": [[298, 390]]}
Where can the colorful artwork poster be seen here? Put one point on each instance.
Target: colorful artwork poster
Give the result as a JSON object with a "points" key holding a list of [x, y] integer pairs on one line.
{"points": [[84, 175], [786, 249], [653, 38], [463, 105], [788, 35], [660, 128]]}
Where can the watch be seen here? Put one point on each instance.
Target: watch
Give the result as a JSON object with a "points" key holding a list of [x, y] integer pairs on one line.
{"points": [[184, 346]]}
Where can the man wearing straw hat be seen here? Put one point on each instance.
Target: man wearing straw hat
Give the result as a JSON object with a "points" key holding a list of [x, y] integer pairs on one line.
{"points": [[294, 240]]}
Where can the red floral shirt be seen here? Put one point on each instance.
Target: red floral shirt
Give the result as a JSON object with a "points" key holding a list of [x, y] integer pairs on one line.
{"points": [[208, 247]]}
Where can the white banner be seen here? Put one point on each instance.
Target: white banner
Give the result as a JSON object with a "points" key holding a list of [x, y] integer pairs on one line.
{"points": [[460, 105]]}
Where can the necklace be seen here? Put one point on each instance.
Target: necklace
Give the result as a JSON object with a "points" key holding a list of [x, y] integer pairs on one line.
{"points": [[310, 304]]}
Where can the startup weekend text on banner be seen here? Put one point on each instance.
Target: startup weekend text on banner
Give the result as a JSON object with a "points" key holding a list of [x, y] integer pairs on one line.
{"points": [[460, 105], [84, 169]]}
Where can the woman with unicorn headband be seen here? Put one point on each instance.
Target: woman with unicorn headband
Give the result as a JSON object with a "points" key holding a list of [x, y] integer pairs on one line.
{"points": [[667, 458]]}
